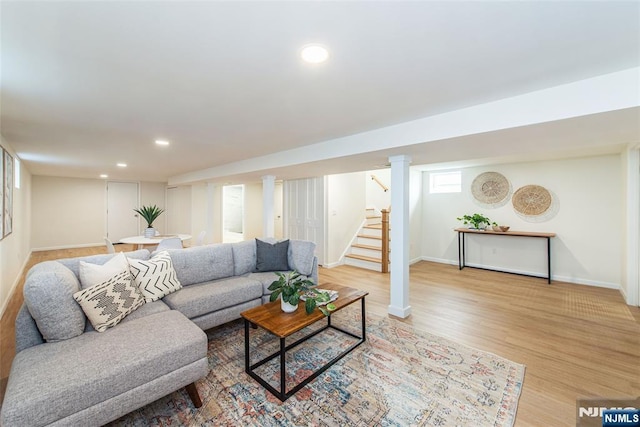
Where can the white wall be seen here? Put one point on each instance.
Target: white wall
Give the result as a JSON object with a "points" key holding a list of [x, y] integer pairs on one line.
{"points": [[15, 248], [178, 214], [253, 211], [71, 212], [67, 212], [588, 224], [376, 196], [415, 215], [199, 212], [346, 204]]}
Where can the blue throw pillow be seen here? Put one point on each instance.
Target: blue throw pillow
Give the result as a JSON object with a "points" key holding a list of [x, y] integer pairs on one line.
{"points": [[272, 257]]}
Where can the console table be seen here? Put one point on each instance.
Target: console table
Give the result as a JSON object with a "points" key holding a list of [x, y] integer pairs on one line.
{"points": [[464, 231]]}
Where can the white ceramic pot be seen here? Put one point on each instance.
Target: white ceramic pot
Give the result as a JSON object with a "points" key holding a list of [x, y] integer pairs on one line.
{"points": [[286, 307], [149, 232]]}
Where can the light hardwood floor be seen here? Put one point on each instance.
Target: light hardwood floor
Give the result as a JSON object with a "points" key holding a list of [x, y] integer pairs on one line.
{"points": [[576, 341]]}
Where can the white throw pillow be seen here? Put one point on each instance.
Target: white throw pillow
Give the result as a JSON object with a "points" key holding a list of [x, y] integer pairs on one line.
{"points": [[92, 274], [155, 277], [107, 303]]}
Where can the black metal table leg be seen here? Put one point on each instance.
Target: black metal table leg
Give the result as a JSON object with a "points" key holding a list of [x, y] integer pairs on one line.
{"points": [[549, 260], [283, 371], [246, 346], [364, 324]]}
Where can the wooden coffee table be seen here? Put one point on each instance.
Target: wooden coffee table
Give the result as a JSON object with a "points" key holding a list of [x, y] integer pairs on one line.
{"points": [[271, 318]]}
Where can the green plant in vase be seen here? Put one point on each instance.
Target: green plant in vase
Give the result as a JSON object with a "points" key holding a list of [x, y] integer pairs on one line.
{"points": [[149, 214], [477, 221], [291, 287]]}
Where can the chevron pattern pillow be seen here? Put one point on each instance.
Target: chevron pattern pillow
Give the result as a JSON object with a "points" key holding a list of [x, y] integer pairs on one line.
{"points": [[107, 303], [155, 277]]}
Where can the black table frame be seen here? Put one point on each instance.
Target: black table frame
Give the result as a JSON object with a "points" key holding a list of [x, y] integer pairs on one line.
{"points": [[462, 255], [282, 394]]}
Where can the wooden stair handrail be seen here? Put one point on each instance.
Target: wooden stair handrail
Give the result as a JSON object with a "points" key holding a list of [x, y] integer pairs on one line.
{"points": [[385, 240], [377, 180]]}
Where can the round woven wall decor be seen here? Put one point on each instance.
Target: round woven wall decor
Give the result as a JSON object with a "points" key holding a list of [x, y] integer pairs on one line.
{"points": [[491, 188], [531, 200]]}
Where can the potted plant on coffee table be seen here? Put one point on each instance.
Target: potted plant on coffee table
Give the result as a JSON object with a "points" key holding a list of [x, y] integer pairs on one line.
{"points": [[150, 214], [291, 287]]}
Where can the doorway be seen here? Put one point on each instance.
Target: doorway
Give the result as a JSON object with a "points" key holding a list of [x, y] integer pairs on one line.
{"points": [[122, 199], [232, 213]]}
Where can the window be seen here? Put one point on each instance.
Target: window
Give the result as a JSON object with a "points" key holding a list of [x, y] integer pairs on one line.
{"points": [[445, 182], [16, 172]]}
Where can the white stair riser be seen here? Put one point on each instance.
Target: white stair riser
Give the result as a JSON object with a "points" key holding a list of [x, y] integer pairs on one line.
{"points": [[366, 252], [363, 264], [367, 241], [371, 232], [374, 221]]}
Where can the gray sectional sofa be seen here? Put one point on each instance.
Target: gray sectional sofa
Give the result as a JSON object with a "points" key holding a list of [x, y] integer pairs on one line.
{"points": [[67, 373]]}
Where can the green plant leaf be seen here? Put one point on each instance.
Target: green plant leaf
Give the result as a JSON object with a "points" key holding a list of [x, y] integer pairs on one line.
{"points": [[310, 305], [274, 296]]}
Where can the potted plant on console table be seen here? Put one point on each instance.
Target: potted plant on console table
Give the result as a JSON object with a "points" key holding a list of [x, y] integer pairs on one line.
{"points": [[150, 214], [292, 287], [477, 221]]}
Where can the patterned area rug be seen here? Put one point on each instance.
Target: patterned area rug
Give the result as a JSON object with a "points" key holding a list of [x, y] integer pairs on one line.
{"points": [[398, 377]]}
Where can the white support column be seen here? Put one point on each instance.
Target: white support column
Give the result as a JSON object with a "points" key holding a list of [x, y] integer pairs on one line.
{"points": [[399, 223], [214, 213], [633, 227], [268, 208]]}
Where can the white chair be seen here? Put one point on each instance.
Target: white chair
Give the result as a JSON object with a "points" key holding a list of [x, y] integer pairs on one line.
{"points": [[200, 238], [170, 243], [110, 248]]}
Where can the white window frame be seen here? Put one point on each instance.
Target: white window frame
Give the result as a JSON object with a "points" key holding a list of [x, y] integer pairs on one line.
{"points": [[445, 182]]}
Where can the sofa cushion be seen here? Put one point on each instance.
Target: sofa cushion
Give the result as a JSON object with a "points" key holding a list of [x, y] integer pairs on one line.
{"points": [[203, 298], [107, 303], [96, 367], [272, 256], [265, 278], [155, 277], [74, 263], [301, 255], [48, 294], [91, 274], [202, 263], [244, 257]]}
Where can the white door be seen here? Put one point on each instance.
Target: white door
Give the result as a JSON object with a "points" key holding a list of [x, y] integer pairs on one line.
{"points": [[122, 221], [277, 210], [305, 207]]}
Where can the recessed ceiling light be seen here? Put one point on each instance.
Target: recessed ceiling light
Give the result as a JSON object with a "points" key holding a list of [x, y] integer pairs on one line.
{"points": [[122, 165], [104, 175], [314, 53], [162, 142]]}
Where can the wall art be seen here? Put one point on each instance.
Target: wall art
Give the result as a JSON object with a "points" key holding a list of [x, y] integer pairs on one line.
{"points": [[491, 190]]}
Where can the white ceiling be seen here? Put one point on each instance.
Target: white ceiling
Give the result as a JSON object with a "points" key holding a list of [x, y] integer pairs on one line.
{"points": [[85, 85]]}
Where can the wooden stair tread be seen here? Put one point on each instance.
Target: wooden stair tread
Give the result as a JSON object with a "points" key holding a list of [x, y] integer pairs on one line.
{"points": [[369, 237], [374, 226], [371, 247], [365, 258]]}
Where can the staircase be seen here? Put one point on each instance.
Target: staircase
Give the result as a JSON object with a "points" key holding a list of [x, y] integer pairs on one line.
{"points": [[366, 251]]}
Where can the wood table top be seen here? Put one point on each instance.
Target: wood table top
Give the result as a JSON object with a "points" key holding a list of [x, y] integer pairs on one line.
{"points": [[506, 233], [271, 317]]}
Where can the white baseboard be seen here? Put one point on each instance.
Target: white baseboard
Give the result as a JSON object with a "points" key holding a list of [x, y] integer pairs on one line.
{"points": [[53, 248], [566, 279], [333, 264], [15, 284]]}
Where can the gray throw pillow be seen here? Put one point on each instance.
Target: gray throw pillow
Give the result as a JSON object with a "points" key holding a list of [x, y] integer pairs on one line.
{"points": [[272, 257]]}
